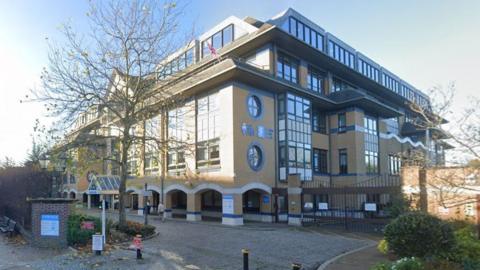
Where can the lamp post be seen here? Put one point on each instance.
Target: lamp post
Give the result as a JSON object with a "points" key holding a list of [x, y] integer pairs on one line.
{"points": [[56, 175], [145, 206]]}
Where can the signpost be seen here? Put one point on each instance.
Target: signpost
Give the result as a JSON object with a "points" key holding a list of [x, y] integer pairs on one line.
{"points": [[97, 243], [103, 222]]}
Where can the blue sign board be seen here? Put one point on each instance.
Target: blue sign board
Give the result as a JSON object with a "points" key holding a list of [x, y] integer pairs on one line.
{"points": [[49, 225], [266, 199]]}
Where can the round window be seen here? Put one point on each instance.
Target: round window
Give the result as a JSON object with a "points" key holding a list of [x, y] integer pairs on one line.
{"points": [[254, 106], [255, 157]]}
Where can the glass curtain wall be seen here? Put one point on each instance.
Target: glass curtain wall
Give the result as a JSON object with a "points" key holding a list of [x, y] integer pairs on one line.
{"points": [[295, 137]]}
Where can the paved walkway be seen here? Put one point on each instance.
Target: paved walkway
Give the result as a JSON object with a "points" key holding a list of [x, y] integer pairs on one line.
{"points": [[210, 245], [200, 245], [19, 255], [361, 260]]}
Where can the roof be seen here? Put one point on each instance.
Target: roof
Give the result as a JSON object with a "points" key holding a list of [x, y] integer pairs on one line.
{"points": [[104, 184]]}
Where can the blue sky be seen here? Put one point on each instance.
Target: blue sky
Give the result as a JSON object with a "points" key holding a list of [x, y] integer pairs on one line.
{"points": [[424, 42]]}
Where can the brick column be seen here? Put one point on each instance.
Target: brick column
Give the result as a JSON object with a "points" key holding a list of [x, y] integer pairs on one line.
{"points": [[232, 212], [194, 207], [140, 204], [168, 206], [294, 200], [49, 222]]}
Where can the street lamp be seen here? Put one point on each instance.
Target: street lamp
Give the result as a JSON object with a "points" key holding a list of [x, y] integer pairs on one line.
{"points": [[44, 161]]}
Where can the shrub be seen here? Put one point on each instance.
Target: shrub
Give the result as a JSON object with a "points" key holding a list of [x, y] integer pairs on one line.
{"points": [[467, 248], [399, 206], [381, 266], [133, 228], [78, 236], [382, 246], [408, 264], [442, 264], [420, 235]]}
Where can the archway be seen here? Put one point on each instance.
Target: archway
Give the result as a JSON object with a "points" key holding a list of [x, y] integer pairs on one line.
{"points": [[73, 195], [178, 203], [153, 201], [85, 198], [211, 205], [257, 206], [131, 200]]}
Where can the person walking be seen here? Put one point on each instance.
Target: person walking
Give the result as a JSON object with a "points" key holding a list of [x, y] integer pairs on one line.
{"points": [[161, 210], [148, 207]]}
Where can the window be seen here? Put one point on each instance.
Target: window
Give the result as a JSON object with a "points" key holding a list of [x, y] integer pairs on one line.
{"points": [[218, 40], [392, 125], [368, 70], [152, 134], [340, 54], [394, 164], [287, 68], [227, 35], [342, 122], [177, 137], [177, 64], [315, 81], [208, 131], [339, 85], [391, 83], [255, 157], [371, 144], [295, 135], [254, 106], [320, 161], [343, 161], [319, 121]]}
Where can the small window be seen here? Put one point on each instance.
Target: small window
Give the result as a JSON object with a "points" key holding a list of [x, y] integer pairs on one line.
{"points": [[254, 106], [343, 161], [255, 157], [320, 161], [227, 35], [319, 122], [342, 122], [217, 40]]}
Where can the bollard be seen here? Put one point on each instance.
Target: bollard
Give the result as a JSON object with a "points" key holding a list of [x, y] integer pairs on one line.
{"points": [[137, 243], [296, 266], [245, 258]]}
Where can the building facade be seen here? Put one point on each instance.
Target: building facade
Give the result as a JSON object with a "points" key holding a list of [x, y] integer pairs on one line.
{"points": [[276, 104]]}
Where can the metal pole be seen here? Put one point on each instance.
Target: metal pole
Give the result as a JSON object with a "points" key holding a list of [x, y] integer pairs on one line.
{"points": [[245, 258], [103, 222], [345, 207], [145, 210]]}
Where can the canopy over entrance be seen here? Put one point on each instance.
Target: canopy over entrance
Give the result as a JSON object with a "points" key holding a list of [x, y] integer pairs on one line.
{"points": [[104, 184]]}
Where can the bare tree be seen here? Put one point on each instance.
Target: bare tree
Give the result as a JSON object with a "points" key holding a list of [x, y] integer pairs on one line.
{"points": [[7, 162], [111, 74], [451, 186]]}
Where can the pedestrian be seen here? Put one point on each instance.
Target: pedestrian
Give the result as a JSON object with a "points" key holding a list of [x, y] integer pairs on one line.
{"points": [[148, 207], [161, 210]]}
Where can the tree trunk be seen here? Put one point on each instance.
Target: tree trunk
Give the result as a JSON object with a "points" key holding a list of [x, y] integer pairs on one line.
{"points": [[122, 220]]}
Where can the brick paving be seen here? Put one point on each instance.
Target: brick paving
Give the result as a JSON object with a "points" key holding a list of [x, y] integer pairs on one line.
{"points": [[210, 245]]}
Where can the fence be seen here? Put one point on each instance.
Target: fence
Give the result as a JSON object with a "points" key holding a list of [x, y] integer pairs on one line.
{"points": [[364, 206], [18, 183]]}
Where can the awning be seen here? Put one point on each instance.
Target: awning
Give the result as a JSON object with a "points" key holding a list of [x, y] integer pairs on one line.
{"points": [[104, 184]]}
